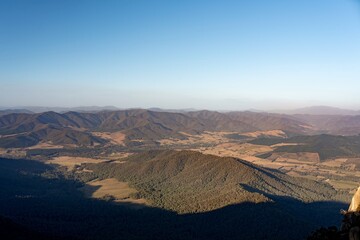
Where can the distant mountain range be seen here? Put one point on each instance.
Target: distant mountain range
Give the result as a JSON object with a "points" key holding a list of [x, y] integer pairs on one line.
{"points": [[24, 130], [28, 129], [332, 124], [312, 110], [39, 109], [9, 111], [319, 110]]}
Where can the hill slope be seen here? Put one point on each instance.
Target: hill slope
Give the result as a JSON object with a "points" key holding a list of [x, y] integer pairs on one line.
{"points": [[189, 181], [10, 111], [333, 124], [38, 197], [21, 130], [269, 121]]}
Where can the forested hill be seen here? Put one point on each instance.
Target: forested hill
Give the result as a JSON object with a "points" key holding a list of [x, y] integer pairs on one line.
{"points": [[23, 130], [186, 181], [43, 200]]}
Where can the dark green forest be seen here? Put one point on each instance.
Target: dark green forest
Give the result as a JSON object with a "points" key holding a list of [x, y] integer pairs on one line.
{"points": [[328, 146], [43, 201]]}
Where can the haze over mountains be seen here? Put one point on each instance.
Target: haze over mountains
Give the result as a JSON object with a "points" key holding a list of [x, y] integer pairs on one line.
{"points": [[40, 109], [311, 110], [320, 110], [9, 111]]}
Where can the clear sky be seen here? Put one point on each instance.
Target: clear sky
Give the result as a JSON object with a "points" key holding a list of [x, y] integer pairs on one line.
{"points": [[222, 54]]}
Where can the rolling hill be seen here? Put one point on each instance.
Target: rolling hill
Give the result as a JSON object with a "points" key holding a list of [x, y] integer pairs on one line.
{"points": [[40, 109], [269, 121], [39, 200], [75, 128], [188, 182], [25, 130], [21, 130], [321, 110], [10, 111], [333, 124]]}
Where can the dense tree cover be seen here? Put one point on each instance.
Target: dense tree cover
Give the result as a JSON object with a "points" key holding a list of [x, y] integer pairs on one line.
{"points": [[47, 200], [328, 146], [187, 181], [43, 199], [236, 136], [24, 130]]}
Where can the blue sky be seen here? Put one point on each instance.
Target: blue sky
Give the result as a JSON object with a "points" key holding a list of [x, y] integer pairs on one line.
{"points": [[230, 55]]}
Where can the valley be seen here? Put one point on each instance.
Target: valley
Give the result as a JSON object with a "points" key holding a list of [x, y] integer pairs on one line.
{"points": [[179, 120], [181, 167]]}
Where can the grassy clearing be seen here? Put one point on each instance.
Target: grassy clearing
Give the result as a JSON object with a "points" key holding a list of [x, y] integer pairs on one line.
{"points": [[120, 191], [45, 145], [117, 138], [71, 162]]}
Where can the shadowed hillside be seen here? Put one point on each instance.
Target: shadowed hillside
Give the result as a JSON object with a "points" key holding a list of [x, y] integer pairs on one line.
{"points": [[41, 198], [189, 181], [14, 231]]}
